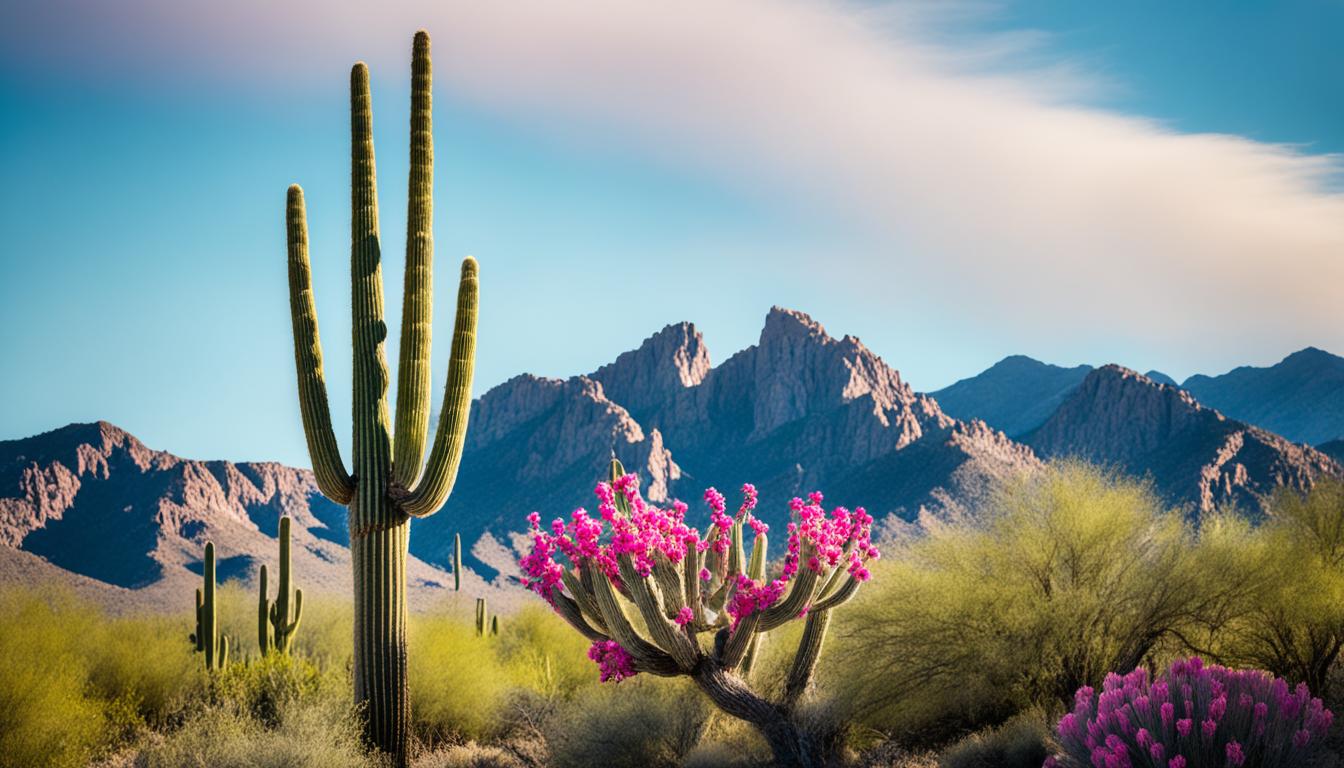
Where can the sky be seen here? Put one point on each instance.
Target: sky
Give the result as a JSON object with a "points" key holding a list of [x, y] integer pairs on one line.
{"points": [[1157, 184]]}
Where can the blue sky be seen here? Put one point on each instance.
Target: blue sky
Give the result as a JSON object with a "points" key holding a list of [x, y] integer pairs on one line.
{"points": [[858, 162]]}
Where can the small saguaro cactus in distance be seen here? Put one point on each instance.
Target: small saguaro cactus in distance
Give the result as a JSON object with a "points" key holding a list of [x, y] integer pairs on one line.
{"points": [[494, 625], [457, 562], [482, 616], [276, 623], [389, 484], [703, 605], [207, 637]]}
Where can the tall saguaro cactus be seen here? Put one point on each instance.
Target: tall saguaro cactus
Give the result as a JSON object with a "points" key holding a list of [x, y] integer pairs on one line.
{"points": [[207, 637], [684, 587], [276, 623], [388, 486], [457, 562]]}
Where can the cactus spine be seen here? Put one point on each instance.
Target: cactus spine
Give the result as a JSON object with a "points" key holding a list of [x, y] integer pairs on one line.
{"points": [[388, 486], [457, 562], [276, 624], [216, 648]]}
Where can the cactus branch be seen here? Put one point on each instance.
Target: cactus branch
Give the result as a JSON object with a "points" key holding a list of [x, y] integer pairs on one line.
{"points": [[332, 479]]}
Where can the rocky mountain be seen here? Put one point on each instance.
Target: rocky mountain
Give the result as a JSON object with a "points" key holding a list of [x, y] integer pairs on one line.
{"points": [[92, 500], [1161, 378], [1192, 453], [1016, 394], [1301, 397], [798, 411]]}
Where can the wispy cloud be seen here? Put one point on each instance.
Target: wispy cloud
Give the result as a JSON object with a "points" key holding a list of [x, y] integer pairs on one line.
{"points": [[979, 163]]}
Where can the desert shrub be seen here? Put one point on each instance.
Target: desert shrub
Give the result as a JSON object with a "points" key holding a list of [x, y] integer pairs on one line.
{"points": [[458, 683], [263, 688], [543, 654], [48, 716], [1290, 619], [312, 732], [469, 755], [637, 723], [143, 665], [1193, 715], [1019, 743], [1064, 575]]}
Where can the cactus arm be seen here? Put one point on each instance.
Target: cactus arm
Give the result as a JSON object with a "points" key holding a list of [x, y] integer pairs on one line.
{"points": [[848, 588], [494, 625], [199, 637], [223, 652], [413, 371], [445, 457], [665, 634], [263, 619], [739, 640], [457, 562], [799, 596], [569, 611], [332, 479], [647, 656], [690, 571], [583, 600], [669, 585], [805, 660]]}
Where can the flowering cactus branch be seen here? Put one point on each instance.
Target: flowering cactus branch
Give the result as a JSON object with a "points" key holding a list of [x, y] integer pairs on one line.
{"points": [[703, 604]]}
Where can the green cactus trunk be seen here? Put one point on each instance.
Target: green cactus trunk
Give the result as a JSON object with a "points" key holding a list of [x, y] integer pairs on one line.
{"points": [[482, 616], [457, 562], [391, 487], [216, 648]]}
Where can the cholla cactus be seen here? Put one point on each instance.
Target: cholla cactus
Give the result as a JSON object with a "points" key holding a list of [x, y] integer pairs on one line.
{"points": [[1192, 715], [687, 587]]}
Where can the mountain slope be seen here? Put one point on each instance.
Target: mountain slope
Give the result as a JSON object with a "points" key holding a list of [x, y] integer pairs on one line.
{"points": [[1015, 395], [1301, 397], [798, 411], [93, 500], [1192, 453]]}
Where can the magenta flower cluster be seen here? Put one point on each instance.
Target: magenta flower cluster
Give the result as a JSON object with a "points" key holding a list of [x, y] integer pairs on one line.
{"points": [[1193, 716], [612, 660], [631, 530]]}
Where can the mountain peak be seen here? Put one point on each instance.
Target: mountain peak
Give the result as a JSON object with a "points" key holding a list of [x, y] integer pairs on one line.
{"points": [[784, 323], [1300, 397], [670, 360]]}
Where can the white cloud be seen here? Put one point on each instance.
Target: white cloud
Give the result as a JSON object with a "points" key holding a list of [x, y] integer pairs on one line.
{"points": [[977, 162]]}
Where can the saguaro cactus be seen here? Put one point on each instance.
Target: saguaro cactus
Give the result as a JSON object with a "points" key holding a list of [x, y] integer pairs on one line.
{"points": [[276, 624], [457, 562], [482, 616], [206, 637], [684, 586], [388, 486]]}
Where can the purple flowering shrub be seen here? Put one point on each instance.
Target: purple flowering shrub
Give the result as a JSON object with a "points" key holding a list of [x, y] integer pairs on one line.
{"points": [[1192, 716]]}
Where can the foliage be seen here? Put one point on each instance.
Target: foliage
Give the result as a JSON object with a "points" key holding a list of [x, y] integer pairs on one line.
{"points": [[1192, 715], [1290, 619], [1066, 574], [1019, 743], [640, 724]]}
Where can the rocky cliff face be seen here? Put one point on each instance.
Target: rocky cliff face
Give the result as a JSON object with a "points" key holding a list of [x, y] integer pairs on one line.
{"points": [[1301, 397], [1192, 453], [798, 411], [94, 500]]}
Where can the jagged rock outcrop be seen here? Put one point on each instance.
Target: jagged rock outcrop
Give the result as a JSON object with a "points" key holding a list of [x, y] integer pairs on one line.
{"points": [[645, 379], [1300, 397], [1192, 453], [1016, 394], [93, 500]]}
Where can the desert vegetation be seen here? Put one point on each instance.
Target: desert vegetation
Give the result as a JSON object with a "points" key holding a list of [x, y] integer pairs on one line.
{"points": [[1070, 605]]}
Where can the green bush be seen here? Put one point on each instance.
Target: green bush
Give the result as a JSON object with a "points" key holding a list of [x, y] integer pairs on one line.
{"points": [[48, 716], [1065, 575], [633, 724], [313, 732], [1022, 742]]}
